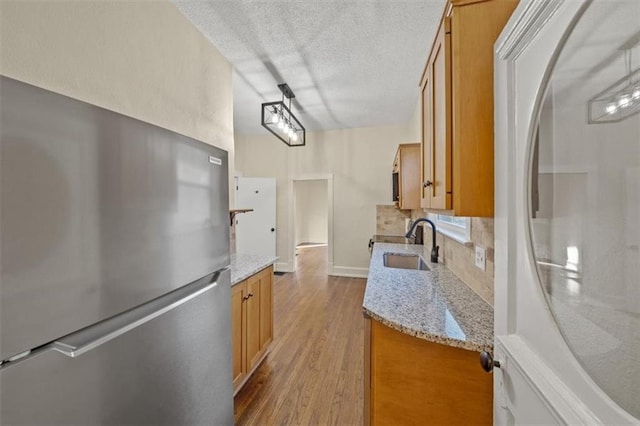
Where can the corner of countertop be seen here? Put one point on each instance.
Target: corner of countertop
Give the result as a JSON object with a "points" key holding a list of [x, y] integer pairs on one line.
{"points": [[242, 265]]}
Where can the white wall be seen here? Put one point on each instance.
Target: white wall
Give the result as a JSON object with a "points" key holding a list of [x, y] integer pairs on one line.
{"points": [[360, 161], [311, 214], [142, 59]]}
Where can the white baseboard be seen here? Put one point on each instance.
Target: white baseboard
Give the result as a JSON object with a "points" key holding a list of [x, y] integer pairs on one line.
{"points": [[345, 271], [284, 267]]}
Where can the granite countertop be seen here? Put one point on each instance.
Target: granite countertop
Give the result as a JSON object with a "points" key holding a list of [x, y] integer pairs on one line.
{"points": [[433, 305], [244, 265]]}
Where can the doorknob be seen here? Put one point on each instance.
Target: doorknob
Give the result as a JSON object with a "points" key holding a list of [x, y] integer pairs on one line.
{"points": [[487, 362], [273, 229]]}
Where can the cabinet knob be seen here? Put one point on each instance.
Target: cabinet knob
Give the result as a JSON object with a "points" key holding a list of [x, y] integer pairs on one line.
{"points": [[487, 362], [250, 295], [245, 298], [428, 183]]}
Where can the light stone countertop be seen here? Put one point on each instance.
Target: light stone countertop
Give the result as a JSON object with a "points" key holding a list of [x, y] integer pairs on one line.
{"points": [[245, 265], [433, 305]]}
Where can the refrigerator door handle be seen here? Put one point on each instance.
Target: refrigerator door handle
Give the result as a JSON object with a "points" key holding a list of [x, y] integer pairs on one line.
{"points": [[81, 341]]}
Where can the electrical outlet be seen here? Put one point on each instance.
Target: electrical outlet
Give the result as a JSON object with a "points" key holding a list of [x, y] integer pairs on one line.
{"points": [[481, 259]]}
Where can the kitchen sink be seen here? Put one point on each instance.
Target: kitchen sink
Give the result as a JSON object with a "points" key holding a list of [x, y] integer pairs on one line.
{"points": [[404, 261]]}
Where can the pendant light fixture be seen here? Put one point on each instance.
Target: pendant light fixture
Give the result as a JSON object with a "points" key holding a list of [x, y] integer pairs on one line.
{"points": [[619, 101], [279, 120]]}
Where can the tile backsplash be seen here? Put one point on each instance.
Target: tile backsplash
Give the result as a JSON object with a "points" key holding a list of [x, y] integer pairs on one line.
{"points": [[391, 220], [460, 258]]}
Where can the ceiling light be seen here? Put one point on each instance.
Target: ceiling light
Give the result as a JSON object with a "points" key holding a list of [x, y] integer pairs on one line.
{"points": [[275, 118], [619, 101], [611, 108], [624, 100], [286, 126]]}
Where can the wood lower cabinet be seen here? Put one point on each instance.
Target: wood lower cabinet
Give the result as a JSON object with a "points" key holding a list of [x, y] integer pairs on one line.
{"points": [[238, 333], [457, 108], [413, 381], [251, 324]]}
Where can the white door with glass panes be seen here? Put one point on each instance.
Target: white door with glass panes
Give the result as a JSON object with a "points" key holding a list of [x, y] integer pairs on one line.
{"points": [[567, 214]]}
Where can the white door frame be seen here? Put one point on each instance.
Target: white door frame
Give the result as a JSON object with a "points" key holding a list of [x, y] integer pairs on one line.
{"points": [[291, 246], [539, 380]]}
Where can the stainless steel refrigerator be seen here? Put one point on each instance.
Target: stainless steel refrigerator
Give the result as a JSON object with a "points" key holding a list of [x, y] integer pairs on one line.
{"points": [[114, 279]]}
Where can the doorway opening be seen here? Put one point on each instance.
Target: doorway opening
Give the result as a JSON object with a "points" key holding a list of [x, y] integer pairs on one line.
{"points": [[312, 209]]}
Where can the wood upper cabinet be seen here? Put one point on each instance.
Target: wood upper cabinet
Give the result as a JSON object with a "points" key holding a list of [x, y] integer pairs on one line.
{"points": [[407, 165], [251, 324], [457, 108], [436, 150]]}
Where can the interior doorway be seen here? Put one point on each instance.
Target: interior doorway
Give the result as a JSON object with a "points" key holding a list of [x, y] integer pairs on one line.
{"points": [[312, 211]]}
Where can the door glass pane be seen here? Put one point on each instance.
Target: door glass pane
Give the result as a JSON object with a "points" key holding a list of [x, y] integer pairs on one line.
{"points": [[585, 196]]}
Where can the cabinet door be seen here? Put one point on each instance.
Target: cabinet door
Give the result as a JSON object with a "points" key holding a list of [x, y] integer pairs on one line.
{"points": [[252, 305], [427, 139], [238, 293], [441, 119], [266, 314], [409, 176], [414, 381]]}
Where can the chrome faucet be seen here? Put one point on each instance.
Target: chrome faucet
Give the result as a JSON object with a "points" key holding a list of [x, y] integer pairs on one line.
{"points": [[434, 247]]}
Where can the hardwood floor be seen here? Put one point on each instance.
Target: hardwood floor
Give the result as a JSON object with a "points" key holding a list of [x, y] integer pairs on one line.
{"points": [[313, 374]]}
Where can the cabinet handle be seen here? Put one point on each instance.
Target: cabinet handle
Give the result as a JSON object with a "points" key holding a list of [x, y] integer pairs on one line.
{"points": [[250, 295], [428, 183], [487, 362], [245, 298]]}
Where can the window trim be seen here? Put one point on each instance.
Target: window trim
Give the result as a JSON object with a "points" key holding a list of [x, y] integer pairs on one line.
{"points": [[456, 233]]}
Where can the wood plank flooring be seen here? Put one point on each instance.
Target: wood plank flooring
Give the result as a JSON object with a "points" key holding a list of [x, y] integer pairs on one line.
{"points": [[313, 374]]}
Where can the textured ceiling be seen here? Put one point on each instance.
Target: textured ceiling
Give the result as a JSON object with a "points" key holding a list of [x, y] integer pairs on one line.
{"points": [[349, 63]]}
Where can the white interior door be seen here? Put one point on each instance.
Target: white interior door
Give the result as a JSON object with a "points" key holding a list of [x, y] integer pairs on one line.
{"points": [[256, 230], [567, 305]]}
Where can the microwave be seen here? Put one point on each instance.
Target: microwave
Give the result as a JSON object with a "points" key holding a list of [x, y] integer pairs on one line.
{"points": [[395, 185]]}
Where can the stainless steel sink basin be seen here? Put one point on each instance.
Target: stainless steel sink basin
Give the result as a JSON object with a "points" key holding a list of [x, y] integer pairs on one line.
{"points": [[404, 261]]}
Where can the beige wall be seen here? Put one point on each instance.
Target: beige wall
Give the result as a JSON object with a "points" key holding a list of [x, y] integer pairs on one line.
{"points": [[142, 59], [311, 211], [360, 161]]}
